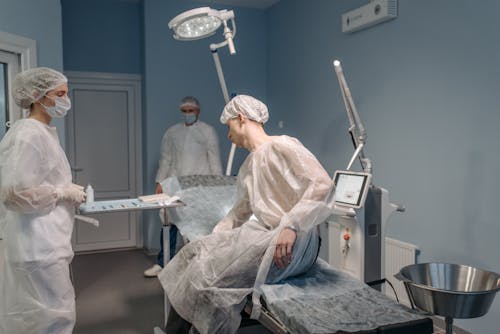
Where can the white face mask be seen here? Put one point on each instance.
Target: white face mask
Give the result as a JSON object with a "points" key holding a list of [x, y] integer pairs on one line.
{"points": [[190, 118], [61, 107]]}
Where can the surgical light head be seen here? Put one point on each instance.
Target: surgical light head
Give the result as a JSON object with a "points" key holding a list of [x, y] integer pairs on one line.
{"points": [[202, 22], [246, 105], [31, 85]]}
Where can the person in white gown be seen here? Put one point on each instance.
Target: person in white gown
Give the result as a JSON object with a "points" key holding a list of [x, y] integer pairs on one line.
{"points": [[37, 200], [269, 234], [187, 148]]}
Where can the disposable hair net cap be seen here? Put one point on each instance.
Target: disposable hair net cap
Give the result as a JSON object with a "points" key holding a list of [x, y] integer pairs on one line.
{"points": [[246, 105], [31, 85], [190, 101]]}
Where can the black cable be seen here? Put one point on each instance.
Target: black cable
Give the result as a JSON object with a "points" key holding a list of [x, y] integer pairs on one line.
{"points": [[381, 281], [394, 290]]}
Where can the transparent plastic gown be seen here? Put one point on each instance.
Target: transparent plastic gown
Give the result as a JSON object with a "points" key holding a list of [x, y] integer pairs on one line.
{"points": [[36, 292], [280, 183]]}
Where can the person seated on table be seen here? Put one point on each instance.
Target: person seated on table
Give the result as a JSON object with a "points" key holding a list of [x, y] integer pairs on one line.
{"points": [[284, 187]]}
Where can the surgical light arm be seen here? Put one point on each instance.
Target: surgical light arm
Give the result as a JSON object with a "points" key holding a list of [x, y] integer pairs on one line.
{"points": [[356, 128], [228, 35], [223, 87]]}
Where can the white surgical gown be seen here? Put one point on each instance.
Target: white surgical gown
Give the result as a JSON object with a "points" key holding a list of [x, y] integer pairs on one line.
{"points": [[189, 150], [281, 183], [37, 296]]}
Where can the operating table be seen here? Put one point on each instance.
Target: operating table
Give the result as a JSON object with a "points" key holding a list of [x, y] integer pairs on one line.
{"points": [[323, 300]]}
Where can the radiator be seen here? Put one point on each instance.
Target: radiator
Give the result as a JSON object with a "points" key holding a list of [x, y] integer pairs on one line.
{"points": [[397, 255]]}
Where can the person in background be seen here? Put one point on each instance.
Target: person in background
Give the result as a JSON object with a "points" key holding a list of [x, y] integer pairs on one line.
{"points": [[37, 205], [187, 148]]}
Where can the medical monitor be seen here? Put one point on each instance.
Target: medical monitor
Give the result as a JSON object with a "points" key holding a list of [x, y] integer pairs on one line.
{"points": [[351, 188]]}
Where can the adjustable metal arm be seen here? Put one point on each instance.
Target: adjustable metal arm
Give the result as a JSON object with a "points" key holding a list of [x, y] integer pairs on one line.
{"points": [[220, 75], [356, 129], [228, 34], [223, 87]]}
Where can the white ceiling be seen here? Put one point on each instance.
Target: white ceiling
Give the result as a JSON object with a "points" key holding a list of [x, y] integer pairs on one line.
{"points": [[260, 4]]}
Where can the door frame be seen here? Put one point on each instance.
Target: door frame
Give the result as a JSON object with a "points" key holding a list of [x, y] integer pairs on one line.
{"points": [[12, 61], [25, 49], [134, 83]]}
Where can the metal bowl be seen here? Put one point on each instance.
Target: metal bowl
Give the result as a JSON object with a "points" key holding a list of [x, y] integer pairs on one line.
{"points": [[450, 290]]}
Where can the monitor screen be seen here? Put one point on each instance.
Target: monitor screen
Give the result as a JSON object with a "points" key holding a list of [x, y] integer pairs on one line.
{"points": [[351, 188]]}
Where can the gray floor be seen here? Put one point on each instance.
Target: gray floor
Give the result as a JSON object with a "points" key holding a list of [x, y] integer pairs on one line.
{"points": [[113, 296]]}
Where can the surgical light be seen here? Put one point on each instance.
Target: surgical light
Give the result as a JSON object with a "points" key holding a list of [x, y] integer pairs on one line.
{"points": [[203, 22], [198, 27]]}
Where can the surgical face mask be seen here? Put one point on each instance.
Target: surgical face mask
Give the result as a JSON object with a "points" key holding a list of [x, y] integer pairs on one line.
{"points": [[61, 107], [190, 118]]}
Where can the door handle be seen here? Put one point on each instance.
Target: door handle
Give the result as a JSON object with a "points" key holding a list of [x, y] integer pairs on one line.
{"points": [[76, 169]]}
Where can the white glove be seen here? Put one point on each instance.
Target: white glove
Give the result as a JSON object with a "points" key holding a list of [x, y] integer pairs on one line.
{"points": [[72, 193]]}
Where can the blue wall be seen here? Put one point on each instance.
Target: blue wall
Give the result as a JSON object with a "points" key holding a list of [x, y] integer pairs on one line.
{"points": [[40, 21], [174, 69], [426, 86], [102, 36]]}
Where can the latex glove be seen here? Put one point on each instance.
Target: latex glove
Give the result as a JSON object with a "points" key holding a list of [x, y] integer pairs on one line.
{"points": [[73, 193]]}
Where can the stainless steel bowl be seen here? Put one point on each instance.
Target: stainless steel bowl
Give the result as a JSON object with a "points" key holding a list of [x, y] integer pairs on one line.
{"points": [[450, 290]]}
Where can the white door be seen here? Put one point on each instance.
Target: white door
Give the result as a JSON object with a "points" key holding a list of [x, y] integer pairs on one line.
{"points": [[103, 131]]}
